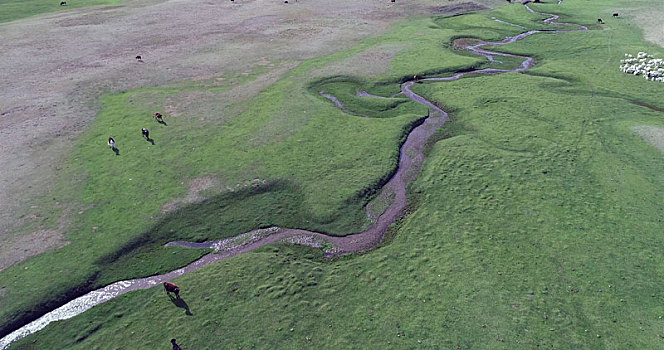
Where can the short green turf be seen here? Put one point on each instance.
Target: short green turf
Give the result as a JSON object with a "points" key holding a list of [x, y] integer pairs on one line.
{"points": [[288, 140], [11, 10]]}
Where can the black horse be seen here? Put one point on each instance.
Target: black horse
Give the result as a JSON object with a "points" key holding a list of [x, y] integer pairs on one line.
{"points": [[146, 134], [111, 143]]}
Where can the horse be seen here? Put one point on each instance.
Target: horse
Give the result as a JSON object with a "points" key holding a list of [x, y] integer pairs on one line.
{"points": [[145, 133], [111, 143], [172, 288]]}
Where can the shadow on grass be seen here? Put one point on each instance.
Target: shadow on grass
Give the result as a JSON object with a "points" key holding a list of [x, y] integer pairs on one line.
{"points": [[258, 205], [179, 302]]}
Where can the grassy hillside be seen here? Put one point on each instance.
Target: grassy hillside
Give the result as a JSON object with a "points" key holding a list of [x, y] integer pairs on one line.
{"points": [[535, 222], [282, 158], [11, 10]]}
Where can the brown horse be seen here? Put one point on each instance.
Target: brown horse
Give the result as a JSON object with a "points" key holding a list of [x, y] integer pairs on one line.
{"points": [[172, 288]]}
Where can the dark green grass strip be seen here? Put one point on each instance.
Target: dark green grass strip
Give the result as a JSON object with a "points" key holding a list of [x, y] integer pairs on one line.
{"points": [[11, 10]]}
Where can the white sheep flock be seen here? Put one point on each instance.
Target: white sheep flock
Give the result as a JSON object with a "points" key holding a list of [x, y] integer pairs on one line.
{"points": [[643, 64]]}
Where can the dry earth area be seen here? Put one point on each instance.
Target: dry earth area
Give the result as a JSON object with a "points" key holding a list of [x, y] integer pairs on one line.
{"points": [[652, 134], [197, 187], [55, 66], [650, 20]]}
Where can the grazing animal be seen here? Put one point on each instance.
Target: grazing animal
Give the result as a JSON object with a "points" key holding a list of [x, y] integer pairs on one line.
{"points": [[111, 143], [158, 117], [599, 20], [172, 288], [145, 133], [615, 14], [63, 3], [139, 58], [175, 345]]}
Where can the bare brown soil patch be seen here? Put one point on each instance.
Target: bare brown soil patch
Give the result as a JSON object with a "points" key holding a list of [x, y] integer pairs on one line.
{"points": [[459, 8], [368, 63], [24, 246], [652, 134], [95, 16], [209, 106], [463, 43], [650, 21], [196, 193], [203, 188]]}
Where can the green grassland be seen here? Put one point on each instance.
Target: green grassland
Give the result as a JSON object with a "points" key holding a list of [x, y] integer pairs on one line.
{"points": [[11, 10], [289, 138], [536, 220]]}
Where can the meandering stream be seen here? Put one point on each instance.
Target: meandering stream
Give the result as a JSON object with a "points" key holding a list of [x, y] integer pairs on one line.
{"points": [[410, 162]]}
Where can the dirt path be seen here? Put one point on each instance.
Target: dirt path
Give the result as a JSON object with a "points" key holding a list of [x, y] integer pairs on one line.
{"points": [[410, 162]]}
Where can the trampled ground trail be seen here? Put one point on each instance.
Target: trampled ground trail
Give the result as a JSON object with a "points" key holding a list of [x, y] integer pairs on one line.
{"points": [[410, 161]]}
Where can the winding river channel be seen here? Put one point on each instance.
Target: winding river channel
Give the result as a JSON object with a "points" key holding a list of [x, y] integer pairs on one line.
{"points": [[410, 162]]}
